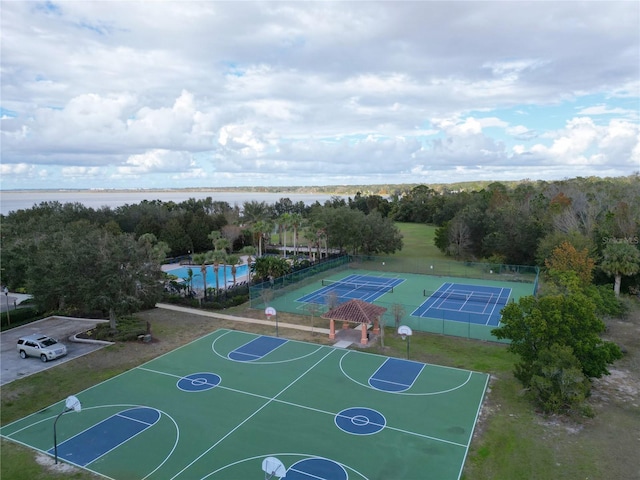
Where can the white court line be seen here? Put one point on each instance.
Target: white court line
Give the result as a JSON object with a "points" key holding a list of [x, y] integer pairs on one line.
{"points": [[390, 382], [251, 416], [250, 355], [475, 422], [317, 410]]}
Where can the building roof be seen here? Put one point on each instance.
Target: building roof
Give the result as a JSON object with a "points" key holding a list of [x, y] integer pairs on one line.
{"points": [[355, 311]]}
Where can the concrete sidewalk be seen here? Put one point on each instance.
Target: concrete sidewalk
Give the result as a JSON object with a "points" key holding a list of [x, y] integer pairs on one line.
{"points": [[222, 316], [11, 300]]}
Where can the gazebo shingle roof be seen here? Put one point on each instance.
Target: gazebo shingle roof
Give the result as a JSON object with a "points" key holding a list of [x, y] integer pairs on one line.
{"points": [[355, 311]]}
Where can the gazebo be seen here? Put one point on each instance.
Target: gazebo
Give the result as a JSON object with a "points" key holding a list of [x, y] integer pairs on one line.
{"points": [[355, 311]]}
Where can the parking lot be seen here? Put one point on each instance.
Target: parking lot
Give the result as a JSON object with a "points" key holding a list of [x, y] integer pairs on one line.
{"points": [[60, 328]]}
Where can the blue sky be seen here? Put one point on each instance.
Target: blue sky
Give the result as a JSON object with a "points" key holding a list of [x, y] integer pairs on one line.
{"points": [[194, 94]]}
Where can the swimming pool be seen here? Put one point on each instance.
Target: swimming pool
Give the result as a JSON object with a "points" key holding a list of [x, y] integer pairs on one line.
{"points": [[198, 284]]}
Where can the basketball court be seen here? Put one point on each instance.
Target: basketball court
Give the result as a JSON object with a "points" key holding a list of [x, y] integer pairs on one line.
{"points": [[240, 405]]}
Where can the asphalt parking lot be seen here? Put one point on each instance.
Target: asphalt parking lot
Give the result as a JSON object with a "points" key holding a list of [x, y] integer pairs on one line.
{"points": [[60, 328]]}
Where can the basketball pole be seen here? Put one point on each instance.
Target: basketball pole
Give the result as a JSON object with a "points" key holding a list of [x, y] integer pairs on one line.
{"points": [[408, 344], [72, 404]]}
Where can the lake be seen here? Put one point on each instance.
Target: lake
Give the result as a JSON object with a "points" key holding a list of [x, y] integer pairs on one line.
{"points": [[11, 201]]}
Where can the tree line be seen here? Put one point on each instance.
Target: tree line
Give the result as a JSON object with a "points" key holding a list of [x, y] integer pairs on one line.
{"points": [[78, 260], [584, 232], [511, 223]]}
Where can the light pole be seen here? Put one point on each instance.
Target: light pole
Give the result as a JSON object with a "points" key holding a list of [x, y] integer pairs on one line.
{"points": [[71, 404], [6, 294], [405, 332]]}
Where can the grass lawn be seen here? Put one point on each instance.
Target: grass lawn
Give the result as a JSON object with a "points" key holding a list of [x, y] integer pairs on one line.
{"points": [[418, 241], [511, 440]]}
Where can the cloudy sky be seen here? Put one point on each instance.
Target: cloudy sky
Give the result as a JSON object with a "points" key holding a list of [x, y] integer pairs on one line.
{"points": [[192, 94]]}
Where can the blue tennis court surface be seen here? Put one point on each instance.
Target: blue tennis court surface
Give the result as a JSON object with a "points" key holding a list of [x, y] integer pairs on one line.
{"points": [[361, 287], [465, 303]]}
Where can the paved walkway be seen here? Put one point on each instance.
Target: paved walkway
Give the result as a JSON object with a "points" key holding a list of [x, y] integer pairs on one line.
{"points": [[222, 316], [11, 300], [344, 337]]}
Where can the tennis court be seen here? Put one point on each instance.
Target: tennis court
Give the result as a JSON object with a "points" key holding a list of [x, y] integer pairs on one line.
{"points": [[465, 302], [231, 403], [471, 311], [362, 287]]}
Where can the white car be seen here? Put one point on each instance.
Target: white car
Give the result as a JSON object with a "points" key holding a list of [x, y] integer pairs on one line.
{"points": [[38, 345]]}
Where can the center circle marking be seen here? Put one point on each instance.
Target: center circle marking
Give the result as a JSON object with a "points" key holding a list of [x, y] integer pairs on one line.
{"points": [[360, 421], [198, 382]]}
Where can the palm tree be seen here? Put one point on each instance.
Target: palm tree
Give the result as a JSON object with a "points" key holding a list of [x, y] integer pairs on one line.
{"points": [[214, 236], [321, 235], [254, 211], [310, 235], [221, 245], [250, 252], [189, 280], [201, 259], [256, 216], [620, 259], [285, 222], [260, 228], [216, 267], [233, 260], [295, 222]]}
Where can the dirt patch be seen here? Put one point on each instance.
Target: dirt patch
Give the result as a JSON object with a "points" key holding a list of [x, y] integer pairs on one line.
{"points": [[49, 463], [620, 386], [615, 398], [489, 408]]}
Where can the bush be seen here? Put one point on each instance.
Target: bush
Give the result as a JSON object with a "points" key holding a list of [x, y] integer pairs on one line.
{"points": [[606, 301], [558, 384], [19, 317], [127, 329]]}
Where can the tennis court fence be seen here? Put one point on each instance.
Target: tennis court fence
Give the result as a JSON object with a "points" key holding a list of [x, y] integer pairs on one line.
{"points": [[261, 293], [444, 268], [437, 322]]}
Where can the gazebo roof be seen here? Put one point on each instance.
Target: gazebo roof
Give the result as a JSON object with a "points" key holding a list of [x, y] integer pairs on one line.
{"points": [[355, 311]]}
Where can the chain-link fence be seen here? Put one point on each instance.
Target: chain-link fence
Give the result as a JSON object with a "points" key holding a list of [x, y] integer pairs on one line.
{"points": [[419, 276]]}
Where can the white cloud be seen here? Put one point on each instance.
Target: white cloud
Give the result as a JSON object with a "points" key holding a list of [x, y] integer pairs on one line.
{"points": [[157, 161], [203, 93], [80, 172], [584, 143]]}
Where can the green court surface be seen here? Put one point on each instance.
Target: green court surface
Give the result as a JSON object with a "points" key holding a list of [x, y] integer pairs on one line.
{"points": [[410, 294], [224, 403]]}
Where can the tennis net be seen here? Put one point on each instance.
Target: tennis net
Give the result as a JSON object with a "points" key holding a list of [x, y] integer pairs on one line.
{"points": [[474, 297], [357, 286]]}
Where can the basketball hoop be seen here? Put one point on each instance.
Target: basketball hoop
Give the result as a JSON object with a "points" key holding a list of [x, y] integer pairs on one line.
{"points": [[405, 332], [271, 312], [271, 466]]}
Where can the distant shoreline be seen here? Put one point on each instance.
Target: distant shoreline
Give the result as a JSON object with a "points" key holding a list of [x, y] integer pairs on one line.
{"points": [[188, 189], [13, 200]]}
